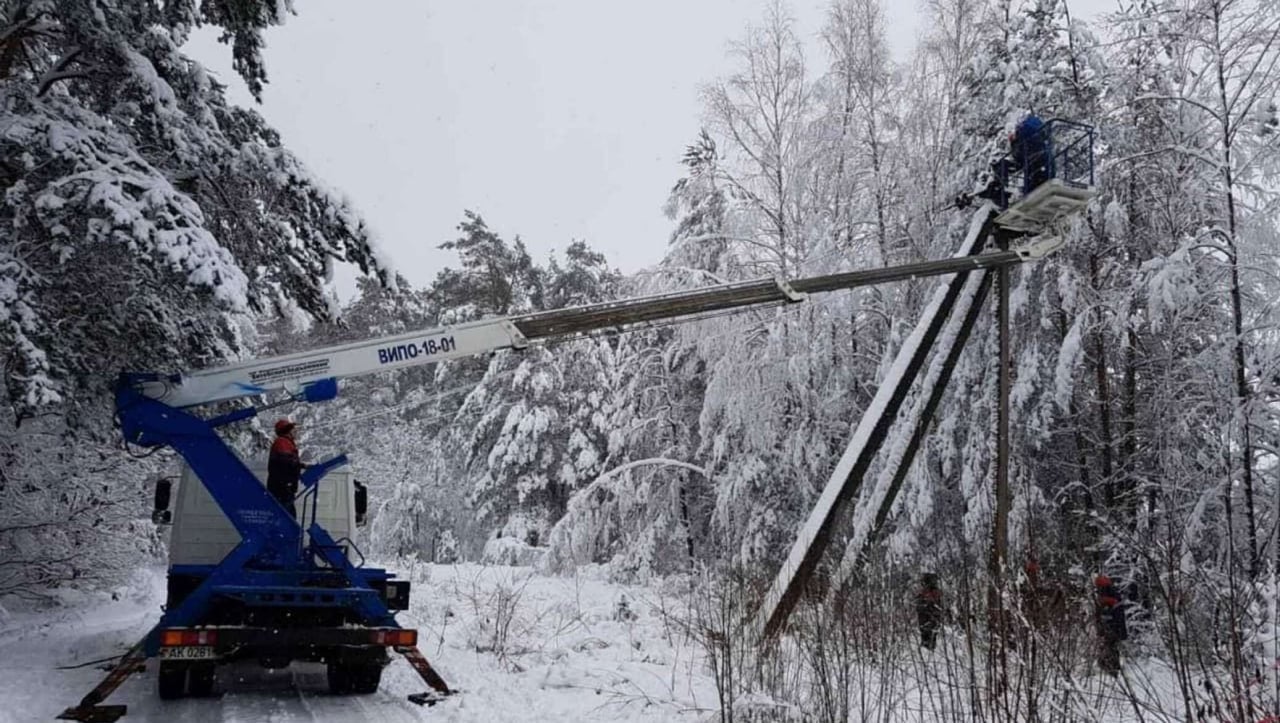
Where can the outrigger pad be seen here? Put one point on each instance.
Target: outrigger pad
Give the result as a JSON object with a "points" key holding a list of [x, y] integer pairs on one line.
{"points": [[428, 698], [425, 671], [89, 711], [94, 713]]}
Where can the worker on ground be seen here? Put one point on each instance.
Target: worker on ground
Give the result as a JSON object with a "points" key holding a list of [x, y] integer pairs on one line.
{"points": [[1031, 593], [284, 466], [929, 610], [1111, 624]]}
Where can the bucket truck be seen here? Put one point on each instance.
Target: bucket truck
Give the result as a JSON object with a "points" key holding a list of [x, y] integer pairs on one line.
{"points": [[289, 588]]}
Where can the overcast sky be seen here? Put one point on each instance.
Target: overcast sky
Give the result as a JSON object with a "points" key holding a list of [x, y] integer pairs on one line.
{"points": [[555, 120]]}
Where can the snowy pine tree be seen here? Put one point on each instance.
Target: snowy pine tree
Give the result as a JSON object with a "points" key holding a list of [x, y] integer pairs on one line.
{"points": [[136, 236]]}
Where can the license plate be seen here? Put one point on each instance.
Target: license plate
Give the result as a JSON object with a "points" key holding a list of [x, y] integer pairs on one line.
{"points": [[188, 652]]}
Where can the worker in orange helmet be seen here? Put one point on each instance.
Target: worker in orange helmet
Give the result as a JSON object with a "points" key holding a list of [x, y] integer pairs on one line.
{"points": [[284, 466], [1111, 624]]}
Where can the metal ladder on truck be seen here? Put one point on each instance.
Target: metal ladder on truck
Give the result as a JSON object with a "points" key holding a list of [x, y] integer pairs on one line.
{"points": [[161, 410]]}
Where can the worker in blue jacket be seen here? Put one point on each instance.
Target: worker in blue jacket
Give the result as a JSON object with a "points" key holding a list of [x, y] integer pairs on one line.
{"points": [[1029, 143], [1030, 154]]}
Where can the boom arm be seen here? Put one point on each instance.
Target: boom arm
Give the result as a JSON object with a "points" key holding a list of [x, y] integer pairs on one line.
{"points": [[298, 371], [302, 370]]}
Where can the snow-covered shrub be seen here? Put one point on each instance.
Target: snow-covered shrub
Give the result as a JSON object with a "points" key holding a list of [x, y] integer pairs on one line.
{"points": [[500, 624], [514, 552]]}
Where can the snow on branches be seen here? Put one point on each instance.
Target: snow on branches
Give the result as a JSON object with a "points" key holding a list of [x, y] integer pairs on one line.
{"points": [[127, 174], [143, 220]]}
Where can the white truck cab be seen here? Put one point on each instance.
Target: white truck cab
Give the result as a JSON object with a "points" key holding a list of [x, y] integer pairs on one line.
{"points": [[202, 534], [199, 540]]}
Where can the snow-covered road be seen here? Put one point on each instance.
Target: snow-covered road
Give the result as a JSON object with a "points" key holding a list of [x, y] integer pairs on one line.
{"points": [[520, 647], [564, 656]]}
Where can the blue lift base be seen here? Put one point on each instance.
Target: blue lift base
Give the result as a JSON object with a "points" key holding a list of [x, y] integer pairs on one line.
{"points": [[270, 566]]}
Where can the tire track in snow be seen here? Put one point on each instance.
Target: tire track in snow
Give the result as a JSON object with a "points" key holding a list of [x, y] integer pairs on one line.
{"points": [[300, 693]]}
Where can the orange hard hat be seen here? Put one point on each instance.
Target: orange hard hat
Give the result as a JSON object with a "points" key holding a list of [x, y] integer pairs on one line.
{"points": [[1101, 581], [284, 426]]}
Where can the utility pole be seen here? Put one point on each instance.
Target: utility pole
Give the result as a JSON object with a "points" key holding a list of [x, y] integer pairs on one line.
{"points": [[1000, 532]]}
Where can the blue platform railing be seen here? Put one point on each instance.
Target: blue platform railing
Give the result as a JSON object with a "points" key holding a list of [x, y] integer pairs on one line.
{"points": [[307, 506]]}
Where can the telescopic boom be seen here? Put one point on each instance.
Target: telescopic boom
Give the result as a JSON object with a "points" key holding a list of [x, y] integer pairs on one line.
{"points": [[297, 371]]}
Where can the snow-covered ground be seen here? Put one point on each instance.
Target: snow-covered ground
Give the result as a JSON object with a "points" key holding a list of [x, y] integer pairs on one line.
{"points": [[520, 647]]}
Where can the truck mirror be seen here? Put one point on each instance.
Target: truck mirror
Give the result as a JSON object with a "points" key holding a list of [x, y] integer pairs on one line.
{"points": [[362, 503], [164, 491]]}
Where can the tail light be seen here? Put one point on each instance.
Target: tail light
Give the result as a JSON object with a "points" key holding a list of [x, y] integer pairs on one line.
{"points": [[395, 637], [177, 638]]}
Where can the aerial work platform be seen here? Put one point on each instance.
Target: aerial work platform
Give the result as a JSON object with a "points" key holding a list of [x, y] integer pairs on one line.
{"points": [[1049, 202], [1050, 177]]}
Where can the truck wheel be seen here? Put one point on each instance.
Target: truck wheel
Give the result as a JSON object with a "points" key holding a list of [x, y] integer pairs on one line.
{"points": [[200, 680], [365, 678], [172, 680], [339, 678], [358, 678]]}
